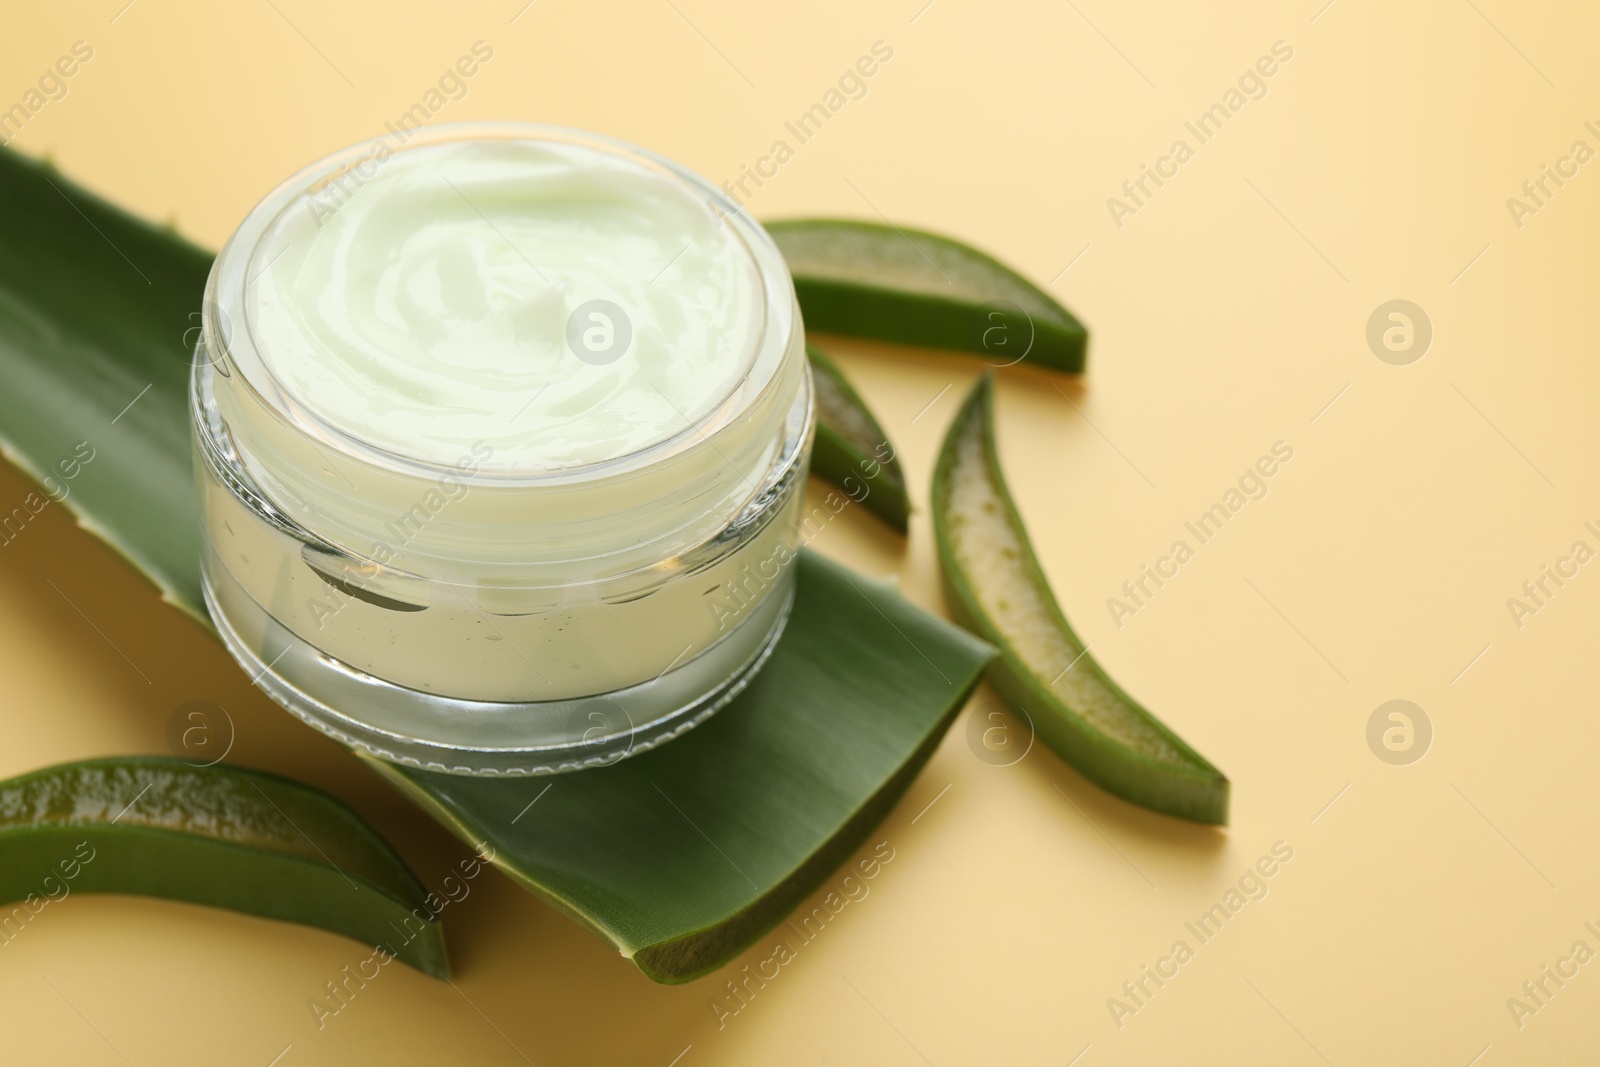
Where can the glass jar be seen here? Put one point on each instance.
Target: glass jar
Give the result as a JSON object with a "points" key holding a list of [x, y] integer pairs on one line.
{"points": [[482, 615]]}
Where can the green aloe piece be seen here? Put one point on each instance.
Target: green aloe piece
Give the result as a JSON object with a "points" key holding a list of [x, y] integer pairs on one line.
{"points": [[851, 449], [99, 312], [222, 836], [751, 811], [996, 587], [911, 287]]}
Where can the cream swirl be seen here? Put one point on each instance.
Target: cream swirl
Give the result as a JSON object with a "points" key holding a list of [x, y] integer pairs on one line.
{"points": [[562, 304]]}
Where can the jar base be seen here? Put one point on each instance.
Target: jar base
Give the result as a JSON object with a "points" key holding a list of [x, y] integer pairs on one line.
{"points": [[480, 738]]}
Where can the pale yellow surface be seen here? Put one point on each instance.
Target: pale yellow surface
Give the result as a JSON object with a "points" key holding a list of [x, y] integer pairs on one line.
{"points": [[1227, 314]]}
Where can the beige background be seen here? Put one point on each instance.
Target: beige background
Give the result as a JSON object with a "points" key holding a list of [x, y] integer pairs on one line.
{"points": [[1227, 314]]}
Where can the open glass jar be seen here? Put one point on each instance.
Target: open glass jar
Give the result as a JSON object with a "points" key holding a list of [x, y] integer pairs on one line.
{"points": [[448, 520]]}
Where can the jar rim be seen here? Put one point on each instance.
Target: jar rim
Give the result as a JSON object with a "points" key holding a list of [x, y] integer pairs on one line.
{"points": [[235, 271]]}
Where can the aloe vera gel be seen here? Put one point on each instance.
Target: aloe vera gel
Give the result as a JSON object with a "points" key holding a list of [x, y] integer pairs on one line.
{"points": [[500, 434]]}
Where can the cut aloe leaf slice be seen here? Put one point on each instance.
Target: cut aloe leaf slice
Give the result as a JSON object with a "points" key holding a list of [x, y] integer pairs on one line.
{"points": [[996, 587], [851, 449], [222, 836], [911, 287], [787, 780]]}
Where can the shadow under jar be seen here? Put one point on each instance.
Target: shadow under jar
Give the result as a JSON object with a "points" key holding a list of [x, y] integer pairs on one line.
{"points": [[501, 438]]}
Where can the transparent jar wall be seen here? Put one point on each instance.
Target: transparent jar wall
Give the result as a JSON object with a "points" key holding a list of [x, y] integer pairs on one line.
{"points": [[456, 672], [502, 638]]}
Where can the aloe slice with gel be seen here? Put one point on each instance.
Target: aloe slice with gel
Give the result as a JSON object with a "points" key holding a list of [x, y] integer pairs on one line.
{"points": [[851, 449], [996, 587], [219, 835], [911, 287]]}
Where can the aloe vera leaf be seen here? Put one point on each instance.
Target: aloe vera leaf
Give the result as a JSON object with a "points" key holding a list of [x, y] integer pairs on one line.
{"points": [[851, 703], [683, 856], [995, 586], [851, 449], [97, 317], [911, 287], [218, 835]]}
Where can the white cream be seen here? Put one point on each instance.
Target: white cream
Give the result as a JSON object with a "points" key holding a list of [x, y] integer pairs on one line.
{"points": [[428, 308]]}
